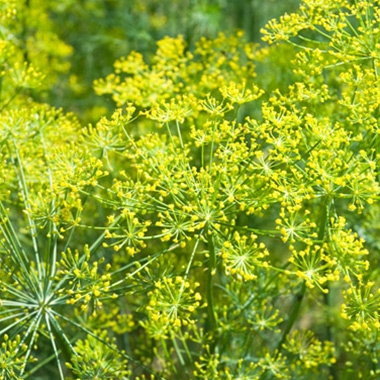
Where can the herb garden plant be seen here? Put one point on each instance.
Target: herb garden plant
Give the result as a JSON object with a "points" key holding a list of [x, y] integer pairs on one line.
{"points": [[222, 223]]}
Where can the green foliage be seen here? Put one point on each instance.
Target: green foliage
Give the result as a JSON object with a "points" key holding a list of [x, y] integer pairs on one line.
{"points": [[220, 224], [102, 31]]}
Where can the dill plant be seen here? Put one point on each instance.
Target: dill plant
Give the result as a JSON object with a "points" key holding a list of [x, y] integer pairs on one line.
{"points": [[210, 228]]}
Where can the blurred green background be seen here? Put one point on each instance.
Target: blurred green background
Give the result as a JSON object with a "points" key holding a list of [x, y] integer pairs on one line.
{"points": [[101, 31]]}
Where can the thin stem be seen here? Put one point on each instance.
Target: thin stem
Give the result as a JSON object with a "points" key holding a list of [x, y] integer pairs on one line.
{"points": [[30, 345], [54, 233], [212, 323], [189, 264], [7, 311], [212, 147], [25, 195], [9, 101], [140, 268], [59, 329], [168, 356], [12, 316], [17, 293], [138, 262], [179, 134], [293, 316], [5, 302], [374, 64], [4, 330], [98, 241], [177, 350], [301, 294], [52, 339], [324, 220], [41, 364], [183, 340], [19, 256]]}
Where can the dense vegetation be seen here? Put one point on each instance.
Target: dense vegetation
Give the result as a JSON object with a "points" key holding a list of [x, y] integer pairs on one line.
{"points": [[218, 219]]}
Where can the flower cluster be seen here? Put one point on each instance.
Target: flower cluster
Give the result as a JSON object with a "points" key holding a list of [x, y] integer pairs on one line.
{"points": [[211, 227]]}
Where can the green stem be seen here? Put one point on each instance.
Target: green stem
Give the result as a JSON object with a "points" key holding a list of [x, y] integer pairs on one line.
{"points": [[167, 355], [25, 30], [9, 101], [324, 219], [25, 195], [293, 316], [329, 333], [212, 146], [301, 294], [178, 351], [211, 321], [54, 346], [39, 365], [18, 255]]}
